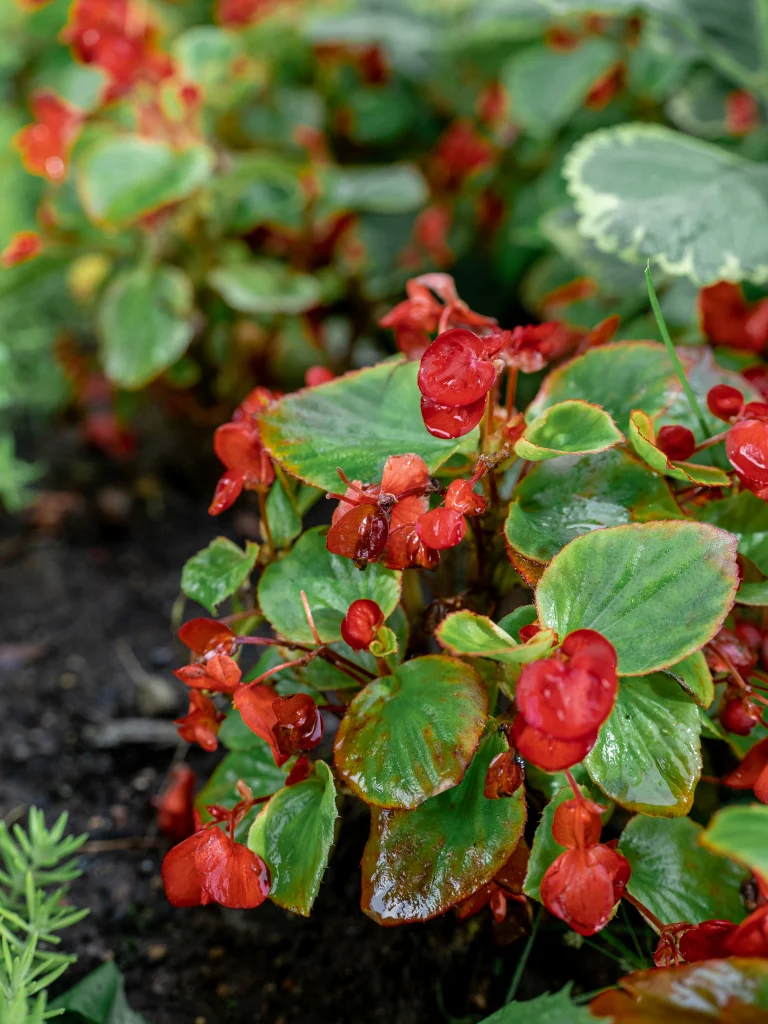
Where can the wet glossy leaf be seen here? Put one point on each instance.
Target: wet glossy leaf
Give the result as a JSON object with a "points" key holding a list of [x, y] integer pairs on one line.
{"points": [[568, 428], [145, 324], [125, 177], [475, 636], [732, 991], [356, 422], [396, 188], [282, 515], [266, 286], [331, 584], [410, 735], [642, 436], [218, 571], [551, 1008], [294, 834], [619, 377], [657, 591], [417, 864], [744, 515], [643, 192], [514, 622], [647, 756], [741, 832], [693, 674], [565, 498], [675, 877]]}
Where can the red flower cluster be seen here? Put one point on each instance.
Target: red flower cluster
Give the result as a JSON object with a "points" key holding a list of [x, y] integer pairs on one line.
{"points": [[392, 521], [562, 701], [201, 723], [45, 145], [210, 867], [460, 152], [23, 246], [120, 40], [238, 445], [214, 668], [290, 725], [361, 624], [712, 940], [728, 319], [583, 884], [746, 443], [735, 654]]}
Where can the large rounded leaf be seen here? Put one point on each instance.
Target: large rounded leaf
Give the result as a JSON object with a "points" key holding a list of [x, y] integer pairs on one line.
{"points": [[266, 286], [622, 377], [564, 498], [744, 515], [657, 591], [294, 834], [124, 177], [568, 428], [331, 584], [675, 877], [741, 832], [355, 422], [647, 192], [647, 756], [410, 735], [417, 864], [145, 323]]}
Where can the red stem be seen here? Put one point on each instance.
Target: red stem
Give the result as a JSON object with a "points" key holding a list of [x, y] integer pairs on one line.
{"points": [[644, 911]]}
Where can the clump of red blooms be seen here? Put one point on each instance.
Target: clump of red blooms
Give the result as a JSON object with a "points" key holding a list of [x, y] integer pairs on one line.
{"points": [[23, 246], [746, 443], [585, 882], [361, 624], [733, 657], [238, 446], [45, 145], [210, 867], [563, 700], [392, 521], [728, 319]]}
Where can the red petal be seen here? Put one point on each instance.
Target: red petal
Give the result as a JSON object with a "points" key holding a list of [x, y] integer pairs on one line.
{"points": [[677, 443], [750, 769], [405, 550], [237, 445], [218, 672], [231, 874], [404, 473], [581, 887], [461, 497], [724, 313], [447, 421], [300, 771], [504, 776], [706, 941], [747, 448], [360, 534], [23, 246], [227, 492], [724, 401], [255, 705], [739, 716], [181, 879], [361, 623], [453, 370], [254, 402], [299, 717], [547, 753], [750, 938], [317, 375], [204, 635], [576, 824], [566, 701], [441, 528], [406, 511], [176, 805]]}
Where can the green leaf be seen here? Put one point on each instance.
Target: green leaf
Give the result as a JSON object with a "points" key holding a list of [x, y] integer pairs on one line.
{"points": [[99, 998], [266, 286], [647, 192], [753, 594], [741, 833], [331, 584], [206, 56], [620, 377], [258, 189], [514, 622], [466, 634], [565, 498], [692, 673], [409, 736], [545, 849], [417, 864], [550, 1008], [234, 733], [568, 428], [124, 177], [356, 422], [282, 516], [294, 835], [657, 591], [549, 86], [145, 324], [218, 571], [742, 514], [255, 766], [395, 188], [647, 757], [675, 877], [643, 438]]}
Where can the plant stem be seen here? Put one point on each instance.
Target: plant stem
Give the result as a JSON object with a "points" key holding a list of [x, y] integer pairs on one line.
{"points": [[517, 976], [692, 400], [647, 914]]}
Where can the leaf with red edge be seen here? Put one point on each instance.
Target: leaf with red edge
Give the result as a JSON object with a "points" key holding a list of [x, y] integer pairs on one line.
{"points": [[643, 438], [568, 428], [417, 864], [468, 635]]}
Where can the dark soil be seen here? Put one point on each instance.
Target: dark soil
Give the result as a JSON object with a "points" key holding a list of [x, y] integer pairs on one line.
{"points": [[75, 596]]}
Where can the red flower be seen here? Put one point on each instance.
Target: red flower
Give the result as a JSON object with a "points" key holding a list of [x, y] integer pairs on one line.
{"points": [[46, 144], [677, 443], [445, 421], [23, 246], [361, 623], [728, 319], [430, 233], [532, 346], [239, 13], [460, 152], [201, 723], [300, 724], [207, 636], [238, 445], [706, 941], [175, 807], [576, 823], [582, 887], [547, 753], [317, 375], [505, 775], [441, 528], [299, 772], [751, 937], [752, 773], [725, 402], [758, 378], [742, 114], [210, 867], [739, 715], [256, 705], [457, 371], [747, 449], [570, 699], [214, 644], [606, 87]]}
